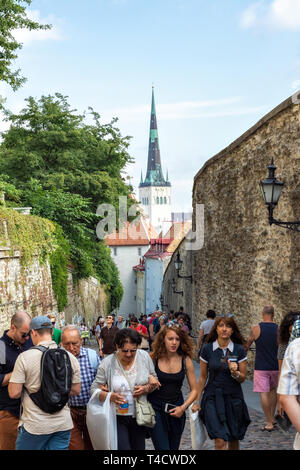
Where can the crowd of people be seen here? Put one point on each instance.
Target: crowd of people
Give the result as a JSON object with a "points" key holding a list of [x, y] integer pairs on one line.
{"points": [[145, 360]]}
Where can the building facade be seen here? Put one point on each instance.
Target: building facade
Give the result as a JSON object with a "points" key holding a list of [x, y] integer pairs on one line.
{"points": [[128, 246]]}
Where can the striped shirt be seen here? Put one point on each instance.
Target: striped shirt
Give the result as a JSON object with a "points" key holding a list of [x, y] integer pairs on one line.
{"points": [[289, 382], [87, 375]]}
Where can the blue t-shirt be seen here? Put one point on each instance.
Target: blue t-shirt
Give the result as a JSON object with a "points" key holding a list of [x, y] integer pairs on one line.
{"points": [[214, 356]]}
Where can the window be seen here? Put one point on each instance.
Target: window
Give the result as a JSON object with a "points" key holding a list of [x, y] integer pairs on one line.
{"points": [[161, 200], [165, 200], [140, 251], [157, 200], [115, 251]]}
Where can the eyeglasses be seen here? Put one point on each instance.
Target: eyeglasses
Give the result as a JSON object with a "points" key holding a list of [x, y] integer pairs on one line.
{"points": [[131, 351], [53, 322], [24, 335]]}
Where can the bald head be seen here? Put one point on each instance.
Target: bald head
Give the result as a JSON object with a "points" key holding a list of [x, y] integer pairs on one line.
{"points": [[19, 318], [19, 327]]}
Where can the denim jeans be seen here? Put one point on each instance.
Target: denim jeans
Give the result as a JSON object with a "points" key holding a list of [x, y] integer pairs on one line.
{"points": [[56, 441], [166, 434]]}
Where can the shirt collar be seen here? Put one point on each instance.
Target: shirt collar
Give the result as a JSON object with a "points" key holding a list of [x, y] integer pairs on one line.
{"points": [[83, 352], [216, 346]]}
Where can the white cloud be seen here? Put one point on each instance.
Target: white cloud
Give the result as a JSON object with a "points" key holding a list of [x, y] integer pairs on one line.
{"points": [[186, 110], [26, 36], [277, 14]]}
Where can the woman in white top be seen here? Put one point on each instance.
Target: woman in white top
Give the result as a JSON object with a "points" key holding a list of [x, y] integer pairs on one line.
{"points": [[141, 374]]}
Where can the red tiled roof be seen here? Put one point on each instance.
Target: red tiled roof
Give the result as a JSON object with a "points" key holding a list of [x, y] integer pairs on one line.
{"points": [[132, 234], [165, 246]]}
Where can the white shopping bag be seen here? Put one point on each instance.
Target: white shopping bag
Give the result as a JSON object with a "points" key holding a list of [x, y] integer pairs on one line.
{"points": [[101, 422], [198, 431]]}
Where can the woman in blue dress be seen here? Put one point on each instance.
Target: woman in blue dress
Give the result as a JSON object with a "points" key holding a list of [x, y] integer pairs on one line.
{"points": [[223, 364]]}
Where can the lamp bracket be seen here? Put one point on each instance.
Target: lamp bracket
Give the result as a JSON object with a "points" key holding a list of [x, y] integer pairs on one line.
{"points": [[294, 226]]}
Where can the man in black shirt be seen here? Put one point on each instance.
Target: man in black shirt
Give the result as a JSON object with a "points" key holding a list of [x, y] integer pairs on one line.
{"points": [[107, 338], [13, 342]]}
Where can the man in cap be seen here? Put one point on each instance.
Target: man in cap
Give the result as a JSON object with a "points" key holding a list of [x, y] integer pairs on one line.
{"points": [[13, 342], [39, 430]]}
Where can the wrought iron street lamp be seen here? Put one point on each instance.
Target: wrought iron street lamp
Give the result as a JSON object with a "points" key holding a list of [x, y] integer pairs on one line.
{"points": [[161, 299], [178, 265], [174, 288], [271, 190]]}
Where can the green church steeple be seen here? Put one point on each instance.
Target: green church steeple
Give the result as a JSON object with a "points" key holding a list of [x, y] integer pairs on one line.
{"points": [[154, 176]]}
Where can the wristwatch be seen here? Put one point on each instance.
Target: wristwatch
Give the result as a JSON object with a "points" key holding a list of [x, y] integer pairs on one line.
{"points": [[237, 376]]}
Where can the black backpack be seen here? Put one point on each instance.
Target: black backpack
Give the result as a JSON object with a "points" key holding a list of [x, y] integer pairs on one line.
{"points": [[56, 380]]}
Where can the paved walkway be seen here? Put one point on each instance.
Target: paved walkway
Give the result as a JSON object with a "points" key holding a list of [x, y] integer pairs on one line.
{"points": [[255, 439]]}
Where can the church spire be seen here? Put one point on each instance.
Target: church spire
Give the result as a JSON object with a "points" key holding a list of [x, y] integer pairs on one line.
{"points": [[154, 176]]}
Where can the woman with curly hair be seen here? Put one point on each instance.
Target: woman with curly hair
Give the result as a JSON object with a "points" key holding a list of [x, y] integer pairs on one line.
{"points": [[223, 362], [172, 352]]}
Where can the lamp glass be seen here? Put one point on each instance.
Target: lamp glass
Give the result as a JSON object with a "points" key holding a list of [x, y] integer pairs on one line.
{"points": [[178, 263], [271, 191]]}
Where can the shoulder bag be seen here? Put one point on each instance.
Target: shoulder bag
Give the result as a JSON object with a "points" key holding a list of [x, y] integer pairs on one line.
{"points": [[145, 414]]}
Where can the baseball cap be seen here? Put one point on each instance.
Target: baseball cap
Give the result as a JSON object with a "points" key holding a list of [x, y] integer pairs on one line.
{"points": [[37, 323]]}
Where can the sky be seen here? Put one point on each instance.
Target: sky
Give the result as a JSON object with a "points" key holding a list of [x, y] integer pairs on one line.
{"points": [[217, 67]]}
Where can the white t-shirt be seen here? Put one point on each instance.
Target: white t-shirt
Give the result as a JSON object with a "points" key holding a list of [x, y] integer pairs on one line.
{"points": [[120, 385], [206, 326], [27, 371]]}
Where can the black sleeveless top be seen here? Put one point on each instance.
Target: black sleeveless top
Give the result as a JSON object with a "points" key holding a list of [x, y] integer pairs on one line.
{"points": [[171, 385], [266, 347]]}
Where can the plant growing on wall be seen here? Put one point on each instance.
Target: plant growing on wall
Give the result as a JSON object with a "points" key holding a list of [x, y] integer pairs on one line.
{"points": [[33, 237], [64, 169]]}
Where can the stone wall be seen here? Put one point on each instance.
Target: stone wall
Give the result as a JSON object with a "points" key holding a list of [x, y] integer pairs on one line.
{"points": [[245, 263], [174, 301], [28, 289], [86, 300]]}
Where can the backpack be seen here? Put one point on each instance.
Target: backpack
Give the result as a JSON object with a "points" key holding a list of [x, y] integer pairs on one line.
{"points": [[56, 380]]}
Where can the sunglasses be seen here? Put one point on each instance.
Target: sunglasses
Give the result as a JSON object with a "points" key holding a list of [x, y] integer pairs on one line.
{"points": [[131, 351], [24, 335]]}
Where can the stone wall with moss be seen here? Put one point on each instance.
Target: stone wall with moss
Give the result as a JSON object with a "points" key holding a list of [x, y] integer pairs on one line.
{"points": [[86, 300], [174, 301], [27, 267], [245, 263]]}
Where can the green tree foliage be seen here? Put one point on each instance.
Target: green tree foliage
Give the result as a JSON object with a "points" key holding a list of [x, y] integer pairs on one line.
{"points": [[13, 16], [65, 168]]}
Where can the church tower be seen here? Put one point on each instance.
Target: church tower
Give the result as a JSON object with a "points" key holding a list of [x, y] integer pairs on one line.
{"points": [[155, 191]]}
